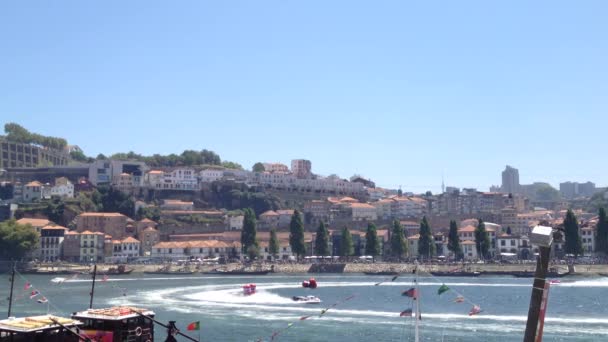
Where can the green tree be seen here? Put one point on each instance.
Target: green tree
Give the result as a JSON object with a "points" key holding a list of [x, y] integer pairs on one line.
{"points": [[296, 235], [322, 240], [78, 156], [346, 243], [482, 240], [16, 240], [601, 239], [454, 241], [398, 243], [101, 156], [273, 245], [54, 211], [573, 243], [232, 165], [249, 232], [426, 241], [253, 252], [372, 244], [258, 167]]}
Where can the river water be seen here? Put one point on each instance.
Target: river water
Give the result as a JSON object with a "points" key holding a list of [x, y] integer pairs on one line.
{"points": [[577, 308]]}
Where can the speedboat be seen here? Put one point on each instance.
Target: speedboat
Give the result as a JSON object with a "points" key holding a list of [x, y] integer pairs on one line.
{"points": [[58, 280], [306, 299]]}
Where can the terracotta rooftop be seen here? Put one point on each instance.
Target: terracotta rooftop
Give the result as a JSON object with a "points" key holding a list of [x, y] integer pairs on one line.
{"points": [[91, 214], [130, 240], [35, 222], [467, 229], [362, 206], [269, 213], [34, 183], [54, 227]]}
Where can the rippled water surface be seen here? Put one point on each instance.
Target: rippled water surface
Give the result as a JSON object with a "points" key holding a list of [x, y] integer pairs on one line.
{"points": [[577, 309]]}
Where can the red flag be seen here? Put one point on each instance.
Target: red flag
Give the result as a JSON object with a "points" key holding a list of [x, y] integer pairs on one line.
{"points": [[27, 285], [406, 312], [194, 326], [410, 293], [105, 277], [34, 294]]}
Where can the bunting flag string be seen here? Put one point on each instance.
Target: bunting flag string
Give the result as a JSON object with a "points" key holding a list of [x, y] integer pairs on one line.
{"points": [[276, 333], [459, 297]]}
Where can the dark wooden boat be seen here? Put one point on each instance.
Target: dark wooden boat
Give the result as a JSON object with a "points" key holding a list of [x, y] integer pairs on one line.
{"points": [[169, 272], [382, 273], [530, 274], [236, 272], [456, 274]]}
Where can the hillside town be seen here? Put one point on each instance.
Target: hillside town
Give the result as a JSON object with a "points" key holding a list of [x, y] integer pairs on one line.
{"points": [[177, 212]]}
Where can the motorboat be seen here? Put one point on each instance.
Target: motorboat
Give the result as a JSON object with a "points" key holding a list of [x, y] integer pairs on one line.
{"points": [[306, 299]]}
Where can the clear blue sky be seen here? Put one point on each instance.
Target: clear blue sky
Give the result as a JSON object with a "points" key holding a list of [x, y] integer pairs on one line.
{"points": [[398, 91]]}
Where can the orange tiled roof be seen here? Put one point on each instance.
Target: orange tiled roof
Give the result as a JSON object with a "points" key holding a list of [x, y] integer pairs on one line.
{"points": [[467, 229], [54, 227], [34, 183], [35, 222], [130, 240], [91, 214]]}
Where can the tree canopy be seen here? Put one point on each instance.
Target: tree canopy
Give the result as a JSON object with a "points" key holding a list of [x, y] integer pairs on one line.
{"points": [[273, 244], [258, 167], [346, 243], [17, 133], [249, 232], [454, 241], [322, 241], [398, 243], [16, 240], [372, 244], [601, 240], [573, 243], [296, 235], [426, 241], [482, 240]]}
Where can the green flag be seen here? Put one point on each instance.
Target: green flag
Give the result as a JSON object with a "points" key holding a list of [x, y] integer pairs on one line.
{"points": [[443, 288]]}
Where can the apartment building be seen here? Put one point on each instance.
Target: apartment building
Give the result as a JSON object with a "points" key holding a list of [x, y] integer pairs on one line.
{"points": [[51, 242], [15, 154], [113, 224]]}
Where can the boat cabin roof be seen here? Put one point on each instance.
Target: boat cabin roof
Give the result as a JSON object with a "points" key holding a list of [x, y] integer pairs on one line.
{"points": [[35, 323], [113, 313]]}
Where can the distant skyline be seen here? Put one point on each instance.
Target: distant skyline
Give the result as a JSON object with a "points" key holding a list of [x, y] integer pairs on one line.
{"points": [[398, 92]]}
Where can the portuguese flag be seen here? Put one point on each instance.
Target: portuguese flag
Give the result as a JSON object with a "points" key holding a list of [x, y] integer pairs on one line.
{"points": [[194, 326]]}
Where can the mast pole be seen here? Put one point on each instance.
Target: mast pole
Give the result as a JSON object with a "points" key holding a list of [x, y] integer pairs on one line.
{"points": [[417, 299], [93, 286], [10, 298]]}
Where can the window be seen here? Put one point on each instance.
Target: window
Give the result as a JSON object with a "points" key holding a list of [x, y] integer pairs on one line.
{"points": [[502, 242], [170, 251]]}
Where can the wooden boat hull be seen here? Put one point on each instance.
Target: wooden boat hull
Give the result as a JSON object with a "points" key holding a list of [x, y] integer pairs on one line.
{"points": [[456, 274], [238, 273]]}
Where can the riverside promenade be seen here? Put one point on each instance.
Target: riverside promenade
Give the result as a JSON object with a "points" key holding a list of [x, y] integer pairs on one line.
{"points": [[354, 267]]}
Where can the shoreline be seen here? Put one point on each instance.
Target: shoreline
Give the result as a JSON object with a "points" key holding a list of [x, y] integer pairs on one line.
{"points": [[337, 268]]}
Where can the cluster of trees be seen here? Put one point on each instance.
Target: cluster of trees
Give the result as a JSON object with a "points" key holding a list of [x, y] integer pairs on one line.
{"points": [[17, 133], [186, 158], [16, 239], [239, 196], [398, 242]]}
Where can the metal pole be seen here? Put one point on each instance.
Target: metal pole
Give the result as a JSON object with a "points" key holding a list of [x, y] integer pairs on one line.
{"points": [[10, 298], [536, 298], [93, 286]]}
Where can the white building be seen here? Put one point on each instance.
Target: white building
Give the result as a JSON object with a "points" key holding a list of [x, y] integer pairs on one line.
{"points": [[275, 167], [234, 222], [363, 212], [197, 249], [588, 239], [35, 191], [178, 179], [210, 175], [51, 242], [63, 188], [126, 248]]}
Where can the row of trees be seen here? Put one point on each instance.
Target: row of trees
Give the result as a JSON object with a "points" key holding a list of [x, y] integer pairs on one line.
{"points": [[17, 133], [398, 242]]}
